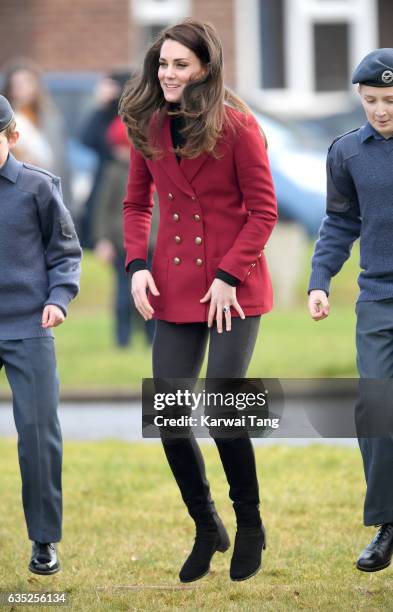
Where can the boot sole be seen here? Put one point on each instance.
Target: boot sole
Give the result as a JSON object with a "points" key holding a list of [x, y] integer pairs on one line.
{"points": [[373, 569], [195, 579], [246, 577]]}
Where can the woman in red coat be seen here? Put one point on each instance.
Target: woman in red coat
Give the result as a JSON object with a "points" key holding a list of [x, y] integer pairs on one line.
{"points": [[198, 144]]}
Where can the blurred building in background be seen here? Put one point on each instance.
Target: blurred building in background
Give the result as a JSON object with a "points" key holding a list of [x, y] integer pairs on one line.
{"points": [[287, 55]]}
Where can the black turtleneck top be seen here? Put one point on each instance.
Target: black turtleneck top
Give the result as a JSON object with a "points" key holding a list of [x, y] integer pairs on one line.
{"points": [[177, 124]]}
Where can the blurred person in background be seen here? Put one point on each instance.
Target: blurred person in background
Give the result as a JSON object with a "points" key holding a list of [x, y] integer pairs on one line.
{"points": [[203, 150], [42, 140], [93, 134], [108, 230]]}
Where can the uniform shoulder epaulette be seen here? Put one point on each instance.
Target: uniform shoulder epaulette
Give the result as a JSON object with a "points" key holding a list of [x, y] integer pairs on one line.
{"points": [[36, 180], [342, 136], [40, 170]]}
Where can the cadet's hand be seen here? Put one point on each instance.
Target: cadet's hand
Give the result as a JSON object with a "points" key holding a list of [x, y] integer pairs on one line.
{"points": [[221, 295], [52, 316], [141, 281], [318, 305]]}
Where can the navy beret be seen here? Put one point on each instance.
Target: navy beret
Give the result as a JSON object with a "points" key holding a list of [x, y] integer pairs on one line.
{"points": [[6, 113], [376, 69]]}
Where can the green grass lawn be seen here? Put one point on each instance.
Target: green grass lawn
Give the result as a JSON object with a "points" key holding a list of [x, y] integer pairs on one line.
{"points": [[290, 343], [125, 526]]}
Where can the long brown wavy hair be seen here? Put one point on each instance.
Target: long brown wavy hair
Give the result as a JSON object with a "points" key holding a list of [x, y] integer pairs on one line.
{"points": [[202, 105], [41, 101]]}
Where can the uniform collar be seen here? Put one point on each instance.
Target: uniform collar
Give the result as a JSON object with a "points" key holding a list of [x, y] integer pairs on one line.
{"points": [[11, 168], [367, 131]]}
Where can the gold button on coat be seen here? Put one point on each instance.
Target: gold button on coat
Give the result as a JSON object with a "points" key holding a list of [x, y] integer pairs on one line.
{"points": [[176, 260], [171, 196], [198, 262], [198, 240], [175, 217], [177, 239], [197, 217]]}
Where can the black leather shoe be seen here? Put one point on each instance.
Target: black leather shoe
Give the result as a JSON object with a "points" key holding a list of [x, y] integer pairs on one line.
{"points": [[44, 559], [378, 554], [247, 553], [207, 541]]}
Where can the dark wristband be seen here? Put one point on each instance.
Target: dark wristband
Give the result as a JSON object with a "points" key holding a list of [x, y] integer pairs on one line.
{"points": [[227, 278], [135, 265]]}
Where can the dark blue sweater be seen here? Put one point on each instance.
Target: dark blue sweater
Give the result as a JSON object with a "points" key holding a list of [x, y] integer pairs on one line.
{"points": [[39, 250], [359, 204]]}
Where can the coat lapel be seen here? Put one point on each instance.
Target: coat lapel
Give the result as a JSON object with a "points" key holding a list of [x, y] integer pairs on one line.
{"points": [[190, 167], [182, 174]]}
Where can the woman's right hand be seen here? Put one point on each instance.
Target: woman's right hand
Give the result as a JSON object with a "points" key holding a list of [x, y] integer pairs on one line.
{"points": [[141, 281]]}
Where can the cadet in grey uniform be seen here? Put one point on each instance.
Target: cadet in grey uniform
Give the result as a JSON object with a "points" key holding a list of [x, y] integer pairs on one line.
{"points": [[360, 204], [39, 275]]}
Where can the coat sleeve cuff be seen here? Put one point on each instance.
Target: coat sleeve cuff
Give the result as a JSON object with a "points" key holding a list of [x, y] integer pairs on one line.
{"points": [[135, 265], [320, 279], [227, 278]]}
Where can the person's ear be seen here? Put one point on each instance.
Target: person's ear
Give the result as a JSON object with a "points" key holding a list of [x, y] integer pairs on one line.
{"points": [[205, 70], [13, 139]]}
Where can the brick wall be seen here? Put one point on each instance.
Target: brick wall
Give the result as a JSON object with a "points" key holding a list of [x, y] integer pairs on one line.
{"points": [[91, 34], [66, 34], [15, 28]]}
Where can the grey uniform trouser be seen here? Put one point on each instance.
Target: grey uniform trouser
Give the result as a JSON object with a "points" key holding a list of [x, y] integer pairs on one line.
{"points": [[30, 366], [374, 342]]}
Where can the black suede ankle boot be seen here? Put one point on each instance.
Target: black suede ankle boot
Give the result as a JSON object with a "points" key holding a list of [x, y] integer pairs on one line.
{"points": [[208, 540]]}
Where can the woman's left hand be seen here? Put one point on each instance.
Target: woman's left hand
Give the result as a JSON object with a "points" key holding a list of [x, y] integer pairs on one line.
{"points": [[222, 296]]}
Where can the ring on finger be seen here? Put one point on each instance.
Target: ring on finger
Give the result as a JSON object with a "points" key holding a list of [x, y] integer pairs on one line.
{"points": [[226, 309]]}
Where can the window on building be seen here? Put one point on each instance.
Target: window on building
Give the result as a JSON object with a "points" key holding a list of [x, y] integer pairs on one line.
{"points": [[272, 41], [151, 32], [331, 69], [385, 19]]}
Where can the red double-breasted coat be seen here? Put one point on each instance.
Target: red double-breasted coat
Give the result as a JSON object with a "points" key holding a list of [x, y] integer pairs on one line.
{"points": [[214, 213]]}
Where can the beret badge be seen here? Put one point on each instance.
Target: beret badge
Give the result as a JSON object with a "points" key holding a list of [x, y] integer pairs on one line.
{"points": [[387, 76]]}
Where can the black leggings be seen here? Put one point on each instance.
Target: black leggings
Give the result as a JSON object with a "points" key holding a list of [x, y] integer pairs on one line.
{"points": [[178, 352], [179, 349]]}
